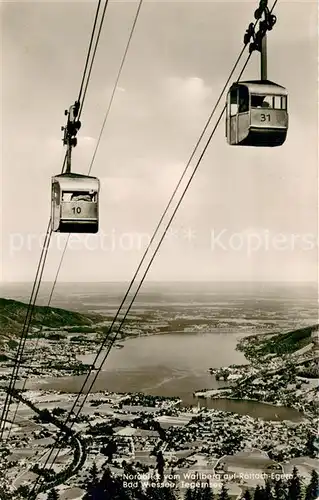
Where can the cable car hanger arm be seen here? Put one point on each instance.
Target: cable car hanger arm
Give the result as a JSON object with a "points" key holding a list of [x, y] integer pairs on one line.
{"points": [[259, 39], [70, 130]]}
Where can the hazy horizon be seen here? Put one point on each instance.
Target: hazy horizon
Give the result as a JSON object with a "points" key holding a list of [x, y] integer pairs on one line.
{"points": [[168, 282], [250, 214]]}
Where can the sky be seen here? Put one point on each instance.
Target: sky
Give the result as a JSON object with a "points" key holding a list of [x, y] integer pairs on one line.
{"points": [[250, 213]]}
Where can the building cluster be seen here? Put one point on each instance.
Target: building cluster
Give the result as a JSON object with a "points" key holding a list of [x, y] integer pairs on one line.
{"points": [[121, 429]]}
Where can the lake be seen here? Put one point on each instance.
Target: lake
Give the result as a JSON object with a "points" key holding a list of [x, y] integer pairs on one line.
{"points": [[174, 364]]}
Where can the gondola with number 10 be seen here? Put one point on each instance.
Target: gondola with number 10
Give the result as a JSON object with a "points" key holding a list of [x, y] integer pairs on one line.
{"points": [[75, 197]]}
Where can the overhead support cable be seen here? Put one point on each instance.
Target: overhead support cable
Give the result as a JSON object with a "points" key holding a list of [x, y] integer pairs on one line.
{"points": [[93, 57], [104, 122], [42, 260], [26, 325], [79, 99], [158, 246], [116, 82], [114, 338], [72, 412]]}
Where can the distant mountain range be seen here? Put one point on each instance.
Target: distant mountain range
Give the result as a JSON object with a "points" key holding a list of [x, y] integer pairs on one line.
{"points": [[13, 315]]}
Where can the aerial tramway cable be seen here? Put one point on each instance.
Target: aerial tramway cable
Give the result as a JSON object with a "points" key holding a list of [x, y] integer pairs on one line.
{"points": [[25, 330], [116, 82], [152, 258], [81, 107], [93, 57], [35, 348], [23, 337], [58, 440], [171, 199], [42, 260], [109, 107], [79, 99], [80, 111], [173, 215], [29, 317]]}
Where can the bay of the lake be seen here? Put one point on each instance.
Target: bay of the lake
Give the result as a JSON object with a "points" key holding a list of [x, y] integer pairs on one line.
{"points": [[174, 364]]}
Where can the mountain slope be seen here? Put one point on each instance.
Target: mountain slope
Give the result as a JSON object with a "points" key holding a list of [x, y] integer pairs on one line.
{"points": [[13, 315], [279, 343]]}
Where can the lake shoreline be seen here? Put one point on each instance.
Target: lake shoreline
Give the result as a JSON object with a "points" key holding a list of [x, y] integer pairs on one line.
{"points": [[132, 378], [229, 398]]}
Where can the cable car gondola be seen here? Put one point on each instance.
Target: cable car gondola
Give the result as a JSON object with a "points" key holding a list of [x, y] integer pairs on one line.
{"points": [[256, 114], [75, 203], [256, 111]]}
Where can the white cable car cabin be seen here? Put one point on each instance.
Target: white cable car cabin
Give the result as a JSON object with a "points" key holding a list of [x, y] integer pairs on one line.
{"points": [[256, 114], [75, 203]]}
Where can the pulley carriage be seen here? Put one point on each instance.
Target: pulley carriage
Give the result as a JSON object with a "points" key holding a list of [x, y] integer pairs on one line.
{"points": [[75, 203]]}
